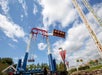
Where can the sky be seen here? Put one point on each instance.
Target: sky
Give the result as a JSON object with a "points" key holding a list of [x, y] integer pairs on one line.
{"points": [[18, 17]]}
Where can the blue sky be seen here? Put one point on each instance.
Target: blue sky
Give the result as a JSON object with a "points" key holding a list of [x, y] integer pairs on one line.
{"points": [[18, 17]]}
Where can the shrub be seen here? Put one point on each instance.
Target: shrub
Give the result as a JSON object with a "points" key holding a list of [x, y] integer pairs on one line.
{"points": [[72, 70], [83, 67]]}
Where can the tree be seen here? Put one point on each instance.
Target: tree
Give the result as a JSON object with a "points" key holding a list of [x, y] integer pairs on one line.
{"points": [[77, 60], [46, 65], [61, 66], [91, 62], [38, 65], [34, 66], [31, 67], [96, 62], [81, 60], [41, 66], [8, 61], [0, 59]]}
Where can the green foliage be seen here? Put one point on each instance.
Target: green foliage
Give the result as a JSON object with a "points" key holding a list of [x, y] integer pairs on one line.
{"points": [[44, 65], [41, 66], [72, 70], [96, 61], [8, 61], [0, 59], [83, 67], [77, 60], [31, 67], [81, 60], [95, 67], [93, 62], [60, 67], [4, 63], [38, 65], [2, 67]]}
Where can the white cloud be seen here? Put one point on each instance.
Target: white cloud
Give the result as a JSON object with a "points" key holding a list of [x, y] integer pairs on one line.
{"points": [[98, 7], [57, 11], [4, 6], [93, 22], [75, 38], [22, 16], [96, 26], [15, 59], [35, 10], [11, 29], [11, 45], [24, 6], [35, 56], [42, 46], [78, 44], [32, 56], [74, 41]]}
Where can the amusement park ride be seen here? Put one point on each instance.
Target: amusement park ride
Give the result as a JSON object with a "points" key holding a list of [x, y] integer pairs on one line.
{"points": [[21, 68]]}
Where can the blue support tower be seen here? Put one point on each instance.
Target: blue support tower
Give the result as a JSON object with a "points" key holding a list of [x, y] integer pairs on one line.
{"points": [[19, 64], [51, 65], [25, 61], [54, 64]]}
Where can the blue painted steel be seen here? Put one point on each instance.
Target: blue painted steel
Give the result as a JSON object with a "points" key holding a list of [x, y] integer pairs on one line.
{"points": [[51, 65], [19, 64], [54, 64], [25, 61]]}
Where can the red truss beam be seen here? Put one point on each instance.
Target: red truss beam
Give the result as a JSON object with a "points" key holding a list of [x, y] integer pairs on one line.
{"points": [[39, 31]]}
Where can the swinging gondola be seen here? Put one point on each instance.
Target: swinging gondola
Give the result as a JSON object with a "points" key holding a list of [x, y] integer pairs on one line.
{"points": [[31, 54]]}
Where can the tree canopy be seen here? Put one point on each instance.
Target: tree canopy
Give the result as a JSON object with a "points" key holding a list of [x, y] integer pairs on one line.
{"points": [[8, 61]]}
